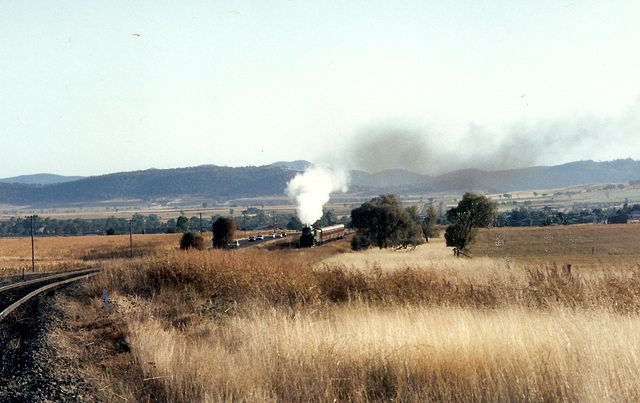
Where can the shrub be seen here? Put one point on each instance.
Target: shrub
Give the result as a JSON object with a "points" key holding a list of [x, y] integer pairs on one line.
{"points": [[192, 239], [360, 242]]}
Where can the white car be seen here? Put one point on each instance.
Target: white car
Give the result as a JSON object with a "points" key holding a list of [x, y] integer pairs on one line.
{"points": [[235, 244]]}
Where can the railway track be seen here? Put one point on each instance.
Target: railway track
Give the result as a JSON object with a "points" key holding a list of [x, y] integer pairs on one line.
{"points": [[30, 370], [15, 294]]}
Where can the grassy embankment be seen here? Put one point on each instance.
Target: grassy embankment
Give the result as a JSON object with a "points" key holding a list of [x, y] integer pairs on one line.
{"points": [[511, 324]]}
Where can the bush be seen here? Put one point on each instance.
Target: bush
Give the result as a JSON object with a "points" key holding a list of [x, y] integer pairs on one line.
{"points": [[192, 239], [360, 242]]}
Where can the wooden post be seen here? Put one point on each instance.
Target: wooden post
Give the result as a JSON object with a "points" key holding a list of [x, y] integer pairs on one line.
{"points": [[105, 300], [33, 252]]}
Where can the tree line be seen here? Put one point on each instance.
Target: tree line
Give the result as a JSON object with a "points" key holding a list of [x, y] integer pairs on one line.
{"points": [[145, 224], [527, 217]]}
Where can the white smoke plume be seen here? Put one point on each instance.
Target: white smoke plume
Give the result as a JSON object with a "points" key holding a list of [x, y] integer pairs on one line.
{"points": [[310, 190]]}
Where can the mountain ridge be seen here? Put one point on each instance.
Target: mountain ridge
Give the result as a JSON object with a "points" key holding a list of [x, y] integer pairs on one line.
{"points": [[40, 179], [221, 184]]}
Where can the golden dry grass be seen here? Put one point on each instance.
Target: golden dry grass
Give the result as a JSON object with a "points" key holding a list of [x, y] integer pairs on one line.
{"points": [[587, 245], [359, 353], [409, 325], [61, 253]]}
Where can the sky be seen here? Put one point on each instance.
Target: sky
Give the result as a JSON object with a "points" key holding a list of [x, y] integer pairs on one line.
{"points": [[89, 88]]}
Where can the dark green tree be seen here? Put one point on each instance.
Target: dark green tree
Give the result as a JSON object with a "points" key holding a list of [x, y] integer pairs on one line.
{"points": [[360, 242], [294, 224], [224, 230], [171, 226], [328, 218], [430, 224], [152, 223], [472, 212], [385, 223], [413, 230], [182, 224], [137, 223]]}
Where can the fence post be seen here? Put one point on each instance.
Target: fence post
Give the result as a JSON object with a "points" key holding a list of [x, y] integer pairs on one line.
{"points": [[105, 300]]}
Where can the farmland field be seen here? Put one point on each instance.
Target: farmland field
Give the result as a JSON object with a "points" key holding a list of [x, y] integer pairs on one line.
{"points": [[512, 323]]}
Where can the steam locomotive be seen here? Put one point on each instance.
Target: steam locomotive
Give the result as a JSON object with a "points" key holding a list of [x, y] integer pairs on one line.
{"points": [[317, 236]]}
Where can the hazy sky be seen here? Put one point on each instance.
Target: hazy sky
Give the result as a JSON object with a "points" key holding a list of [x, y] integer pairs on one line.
{"points": [[89, 88]]}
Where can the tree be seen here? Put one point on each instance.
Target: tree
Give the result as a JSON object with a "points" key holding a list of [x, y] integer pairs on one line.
{"points": [[224, 230], [360, 242], [413, 229], [192, 239], [152, 223], [430, 224], [137, 223], [171, 226], [182, 224], [294, 224], [384, 223], [472, 212], [328, 218]]}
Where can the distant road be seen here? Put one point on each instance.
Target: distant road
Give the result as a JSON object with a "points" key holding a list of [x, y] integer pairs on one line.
{"points": [[291, 237]]}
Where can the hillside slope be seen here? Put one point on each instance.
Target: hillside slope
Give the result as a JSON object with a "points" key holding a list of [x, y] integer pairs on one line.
{"points": [[210, 181]]}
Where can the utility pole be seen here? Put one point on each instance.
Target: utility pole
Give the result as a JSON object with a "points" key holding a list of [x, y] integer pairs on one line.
{"points": [[200, 224], [131, 238], [33, 250]]}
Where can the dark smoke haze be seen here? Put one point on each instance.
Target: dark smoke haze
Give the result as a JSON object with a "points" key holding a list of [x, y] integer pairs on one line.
{"points": [[390, 148], [551, 142]]}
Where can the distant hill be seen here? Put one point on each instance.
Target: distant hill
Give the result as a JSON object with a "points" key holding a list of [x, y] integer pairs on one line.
{"points": [[220, 184], [566, 175], [40, 179], [300, 165], [208, 182]]}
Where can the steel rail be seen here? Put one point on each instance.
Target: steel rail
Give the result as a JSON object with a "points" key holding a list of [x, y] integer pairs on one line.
{"points": [[41, 279], [32, 294]]}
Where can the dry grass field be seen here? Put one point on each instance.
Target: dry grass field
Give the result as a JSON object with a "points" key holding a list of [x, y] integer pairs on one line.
{"points": [[65, 253], [583, 246], [326, 324]]}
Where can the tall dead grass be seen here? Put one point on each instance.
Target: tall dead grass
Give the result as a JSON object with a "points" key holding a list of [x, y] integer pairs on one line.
{"points": [[356, 352]]}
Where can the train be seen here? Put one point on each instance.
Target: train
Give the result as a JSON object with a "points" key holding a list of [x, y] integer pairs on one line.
{"points": [[317, 236]]}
